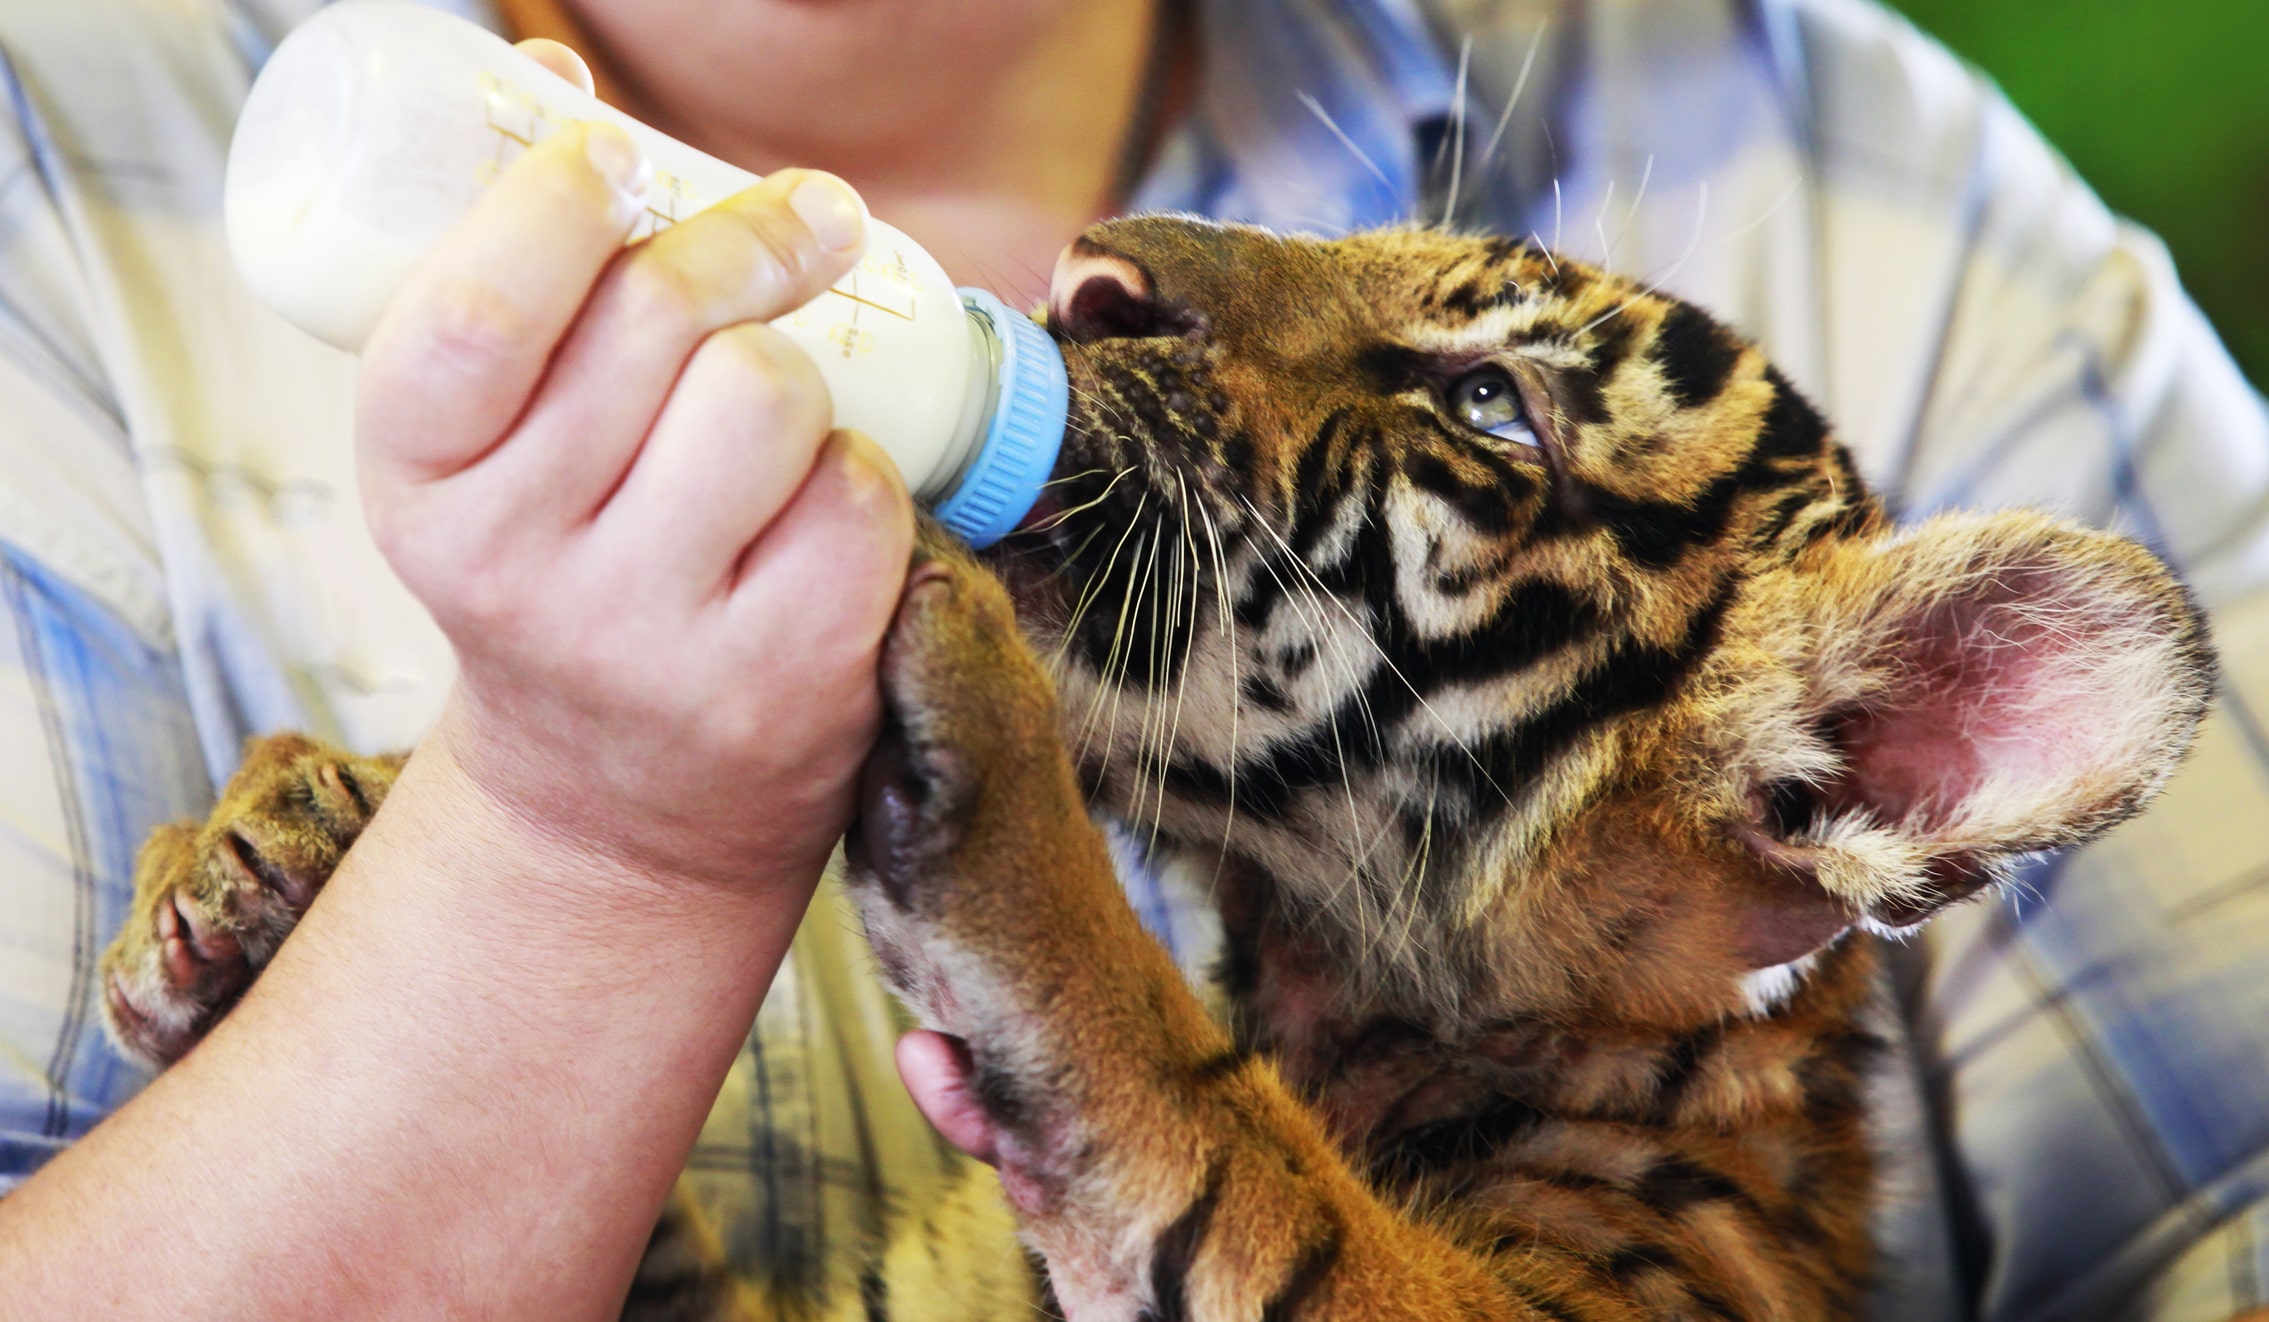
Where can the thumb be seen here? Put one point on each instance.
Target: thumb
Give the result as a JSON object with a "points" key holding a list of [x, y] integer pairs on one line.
{"points": [[937, 1070]]}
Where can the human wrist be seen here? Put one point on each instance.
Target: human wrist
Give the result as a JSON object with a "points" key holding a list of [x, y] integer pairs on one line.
{"points": [[615, 821], [549, 886]]}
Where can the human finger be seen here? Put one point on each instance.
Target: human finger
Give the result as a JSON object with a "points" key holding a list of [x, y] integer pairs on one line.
{"points": [[732, 446], [937, 1070], [454, 357], [818, 588], [560, 58], [759, 255]]}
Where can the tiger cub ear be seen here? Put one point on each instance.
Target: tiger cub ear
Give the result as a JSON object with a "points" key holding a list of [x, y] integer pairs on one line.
{"points": [[1967, 691]]}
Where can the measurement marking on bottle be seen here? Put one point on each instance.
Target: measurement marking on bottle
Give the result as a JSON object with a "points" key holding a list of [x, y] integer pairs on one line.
{"points": [[870, 303], [520, 121]]}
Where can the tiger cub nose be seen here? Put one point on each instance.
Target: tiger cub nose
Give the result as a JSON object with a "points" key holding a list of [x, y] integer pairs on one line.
{"points": [[1095, 294]]}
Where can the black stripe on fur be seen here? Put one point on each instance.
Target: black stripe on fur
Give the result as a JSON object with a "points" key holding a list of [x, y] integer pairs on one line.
{"points": [[1177, 1250], [1309, 1274], [1696, 355]]}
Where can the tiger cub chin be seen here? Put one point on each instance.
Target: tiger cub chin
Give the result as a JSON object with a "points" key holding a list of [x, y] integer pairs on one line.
{"points": [[1559, 721]]}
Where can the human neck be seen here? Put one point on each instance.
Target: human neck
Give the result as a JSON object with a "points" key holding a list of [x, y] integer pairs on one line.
{"points": [[992, 159]]}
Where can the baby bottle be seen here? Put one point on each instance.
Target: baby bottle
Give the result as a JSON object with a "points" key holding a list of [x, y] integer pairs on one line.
{"points": [[376, 123]]}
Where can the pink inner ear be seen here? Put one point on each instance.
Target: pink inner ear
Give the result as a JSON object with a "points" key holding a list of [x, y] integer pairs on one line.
{"points": [[2008, 687]]}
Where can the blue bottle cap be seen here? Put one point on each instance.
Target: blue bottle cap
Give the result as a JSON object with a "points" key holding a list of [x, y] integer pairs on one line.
{"points": [[1019, 450]]}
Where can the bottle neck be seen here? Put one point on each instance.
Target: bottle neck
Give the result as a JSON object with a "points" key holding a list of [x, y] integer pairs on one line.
{"points": [[978, 404], [1012, 426]]}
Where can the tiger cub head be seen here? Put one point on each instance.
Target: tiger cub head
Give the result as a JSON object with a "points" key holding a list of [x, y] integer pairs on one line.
{"points": [[1530, 636]]}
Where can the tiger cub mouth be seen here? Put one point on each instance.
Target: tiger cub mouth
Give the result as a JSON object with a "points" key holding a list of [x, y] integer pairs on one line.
{"points": [[1143, 445]]}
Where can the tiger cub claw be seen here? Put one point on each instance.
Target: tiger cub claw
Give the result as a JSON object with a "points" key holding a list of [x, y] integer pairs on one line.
{"points": [[212, 902]]}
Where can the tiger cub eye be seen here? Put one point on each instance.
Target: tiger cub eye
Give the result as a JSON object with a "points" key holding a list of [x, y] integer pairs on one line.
{"points": [[1485, 400]]}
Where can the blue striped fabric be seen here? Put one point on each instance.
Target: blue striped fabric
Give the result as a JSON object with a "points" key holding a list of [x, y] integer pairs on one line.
{"points": [[108, 731], [2085, 1063]]}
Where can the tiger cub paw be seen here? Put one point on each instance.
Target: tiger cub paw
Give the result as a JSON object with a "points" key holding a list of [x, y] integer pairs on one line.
{"points": [[970, 766], [213, 902]]}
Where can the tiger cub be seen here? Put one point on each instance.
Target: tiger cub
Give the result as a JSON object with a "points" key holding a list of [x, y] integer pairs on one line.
{"points": [[1560, 725]]}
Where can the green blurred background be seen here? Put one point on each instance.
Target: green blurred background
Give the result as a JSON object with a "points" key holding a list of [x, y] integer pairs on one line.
{"points": [[2163, 105]]}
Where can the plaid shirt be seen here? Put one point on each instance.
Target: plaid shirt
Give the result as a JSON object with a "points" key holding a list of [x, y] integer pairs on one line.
{"points": [[2085, 1074]]}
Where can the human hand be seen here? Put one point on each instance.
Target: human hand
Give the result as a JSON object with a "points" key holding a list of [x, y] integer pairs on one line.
{"points": [[617, 491]]}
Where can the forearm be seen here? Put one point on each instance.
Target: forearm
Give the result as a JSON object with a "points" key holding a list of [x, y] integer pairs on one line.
{"points": [[463, 1086]]}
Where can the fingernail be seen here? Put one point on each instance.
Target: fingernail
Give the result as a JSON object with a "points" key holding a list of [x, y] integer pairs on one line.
{"points": [[618, 161], [831, 211]]}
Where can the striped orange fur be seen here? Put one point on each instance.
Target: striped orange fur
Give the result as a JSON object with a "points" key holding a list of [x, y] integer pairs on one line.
{"points": [[1557, 719]]}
